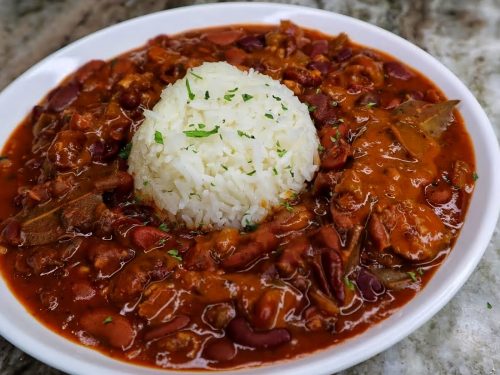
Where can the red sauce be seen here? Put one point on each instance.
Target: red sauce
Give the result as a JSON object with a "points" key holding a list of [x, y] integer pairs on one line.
{"points": [[91, 262]]}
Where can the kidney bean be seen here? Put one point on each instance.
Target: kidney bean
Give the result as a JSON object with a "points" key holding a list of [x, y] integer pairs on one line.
{"points": [[219, 350], [319, 47], [322, 66], [369, 286], [378, 233], [437, 194], [252, 43], [343, 55], [177, 323], [63, 97], [397, 70], [302, 76], [240, 331], [224, 38], [109, 327], [146, 237], [287, 221], [267, 307]]}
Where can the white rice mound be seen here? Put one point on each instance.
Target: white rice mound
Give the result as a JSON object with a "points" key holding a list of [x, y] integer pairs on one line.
{"points": [[255, 154]]}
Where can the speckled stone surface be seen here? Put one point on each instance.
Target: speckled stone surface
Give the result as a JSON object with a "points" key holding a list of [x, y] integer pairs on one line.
{"points": [[464, 338]]}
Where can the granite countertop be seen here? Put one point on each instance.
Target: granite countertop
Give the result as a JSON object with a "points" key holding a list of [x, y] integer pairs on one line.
{"points": [[464, 337]]}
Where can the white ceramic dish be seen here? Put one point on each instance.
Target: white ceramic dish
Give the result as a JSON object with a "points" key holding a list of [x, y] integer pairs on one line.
{"points": [[20, 328]]}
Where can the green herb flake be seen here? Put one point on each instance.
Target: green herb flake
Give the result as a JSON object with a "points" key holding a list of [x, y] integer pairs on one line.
{"points": [[243, 134], [158, 137], [420, 271], [320, 148], [233, 90], [371, 105], [280, 151], [201, 126], [267, 84], [311, 108], [223, 166], [475, 176], [251, 173], [269, 116], [249, 226], [246, 97], [277, 98], [287, 205], [284, 107], [163, 227], [489, 305], [145, 183], [107, 320], [174, 253], [191, 96], [196, 75], [162, 241], [201, 133], [412, 275], [207, 95], [229, 97], [275, 171], [348, 283], [123, 154]]}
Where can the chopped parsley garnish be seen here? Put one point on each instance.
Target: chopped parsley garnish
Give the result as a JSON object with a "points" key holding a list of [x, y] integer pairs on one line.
{"points": [[290, 170], [267, 84], [174, 253], [158, 137], [243, 134], [249, 226], [107, 320], [348, 283], [420, 271], [201, 126], [270, 116], [251, 173], [246, 97], [489, 305], [123, 154], [283, 107], [311, 108], [201, 133], [320, 148], [191, 96], [475, 176], [162, 241], [279, 150], [196, 75], [336, 138], [163, 227], [277, 98], [207, 95], [412, 276], [145, 183], [223, 166], [233, 90], [275, 171], [371, 105], [229, 97], [287, 205]]}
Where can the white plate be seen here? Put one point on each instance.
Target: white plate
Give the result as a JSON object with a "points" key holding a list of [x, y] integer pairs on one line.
{"points": [[20, 328]]}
